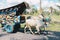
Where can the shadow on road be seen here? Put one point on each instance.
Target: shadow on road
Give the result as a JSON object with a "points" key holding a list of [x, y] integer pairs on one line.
{"points": [[53, 35], [1, 35]]}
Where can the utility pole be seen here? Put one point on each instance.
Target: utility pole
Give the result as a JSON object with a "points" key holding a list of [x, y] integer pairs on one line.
{"points": [[40, 6]]}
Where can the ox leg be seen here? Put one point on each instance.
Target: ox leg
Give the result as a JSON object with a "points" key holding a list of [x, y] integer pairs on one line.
{"points": [[25, 29], [31, 30], [37, 28], [44, 27]]}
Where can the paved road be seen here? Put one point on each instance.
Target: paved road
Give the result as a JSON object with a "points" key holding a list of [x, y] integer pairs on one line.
{"points": [[21, 36]]}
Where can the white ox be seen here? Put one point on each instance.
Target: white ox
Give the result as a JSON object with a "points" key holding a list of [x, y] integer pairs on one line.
{"points": [[34, 22]]}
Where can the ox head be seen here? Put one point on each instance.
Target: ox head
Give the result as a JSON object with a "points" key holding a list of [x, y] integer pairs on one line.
{"points": [[45, 19]]}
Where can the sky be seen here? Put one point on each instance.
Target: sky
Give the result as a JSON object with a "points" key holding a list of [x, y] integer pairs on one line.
{"points": [[45, 3]]}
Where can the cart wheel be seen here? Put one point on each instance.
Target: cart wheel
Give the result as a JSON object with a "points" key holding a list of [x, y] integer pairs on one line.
{"points": [[8, 28]]}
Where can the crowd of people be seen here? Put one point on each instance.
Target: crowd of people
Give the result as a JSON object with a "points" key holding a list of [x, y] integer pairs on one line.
{"points": [[8, 19]]}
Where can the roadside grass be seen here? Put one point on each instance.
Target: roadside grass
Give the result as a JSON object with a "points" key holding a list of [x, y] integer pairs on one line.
{"points": [[53, 27], [55, 23]]}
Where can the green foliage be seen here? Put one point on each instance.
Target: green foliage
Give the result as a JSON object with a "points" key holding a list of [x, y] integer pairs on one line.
{"points": [[57, 12]]}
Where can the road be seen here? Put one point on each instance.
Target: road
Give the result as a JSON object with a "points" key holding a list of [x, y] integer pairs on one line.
{"points": [[22, 36]]}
